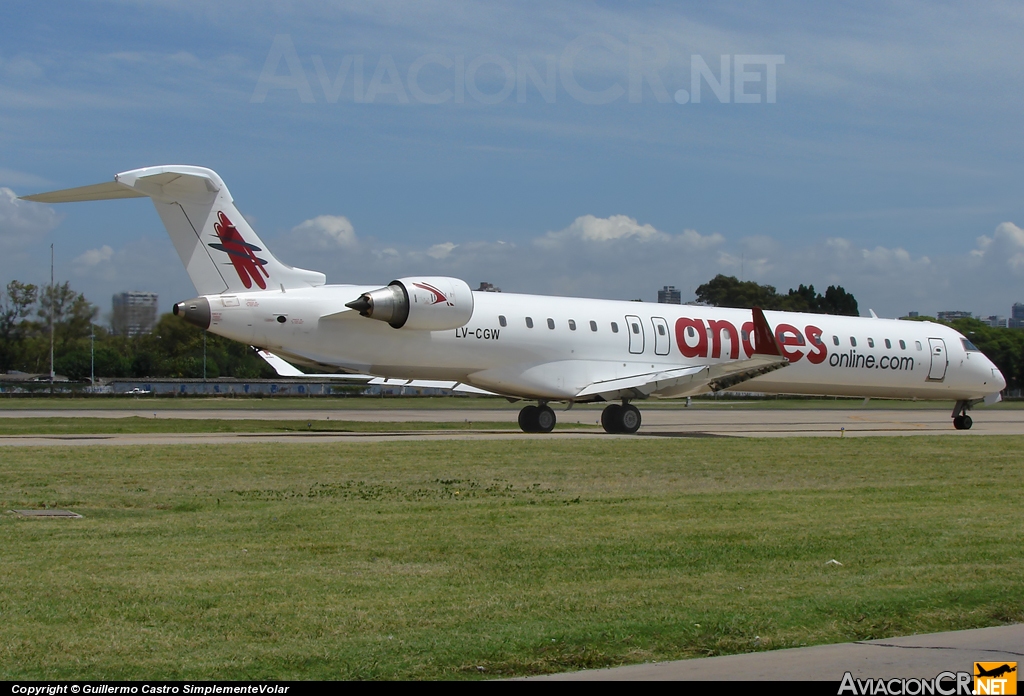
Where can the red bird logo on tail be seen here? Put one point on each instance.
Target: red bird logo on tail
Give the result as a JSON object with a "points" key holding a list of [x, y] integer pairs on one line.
{"points": [[248, 266]]}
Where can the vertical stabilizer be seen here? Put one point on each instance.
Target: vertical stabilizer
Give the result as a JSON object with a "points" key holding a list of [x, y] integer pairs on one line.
{"points": [[221, 252]]}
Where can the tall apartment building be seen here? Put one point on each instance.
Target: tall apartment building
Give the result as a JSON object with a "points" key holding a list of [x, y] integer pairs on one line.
{"points": [[134, 314], [669, 295], [1016, 320]]}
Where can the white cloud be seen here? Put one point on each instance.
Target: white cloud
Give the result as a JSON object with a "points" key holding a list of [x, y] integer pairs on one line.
{"points": [[94, 257], [23, 222], [325, 232], [441, 251], [595, 229], [616, 228], [1004, 247]]}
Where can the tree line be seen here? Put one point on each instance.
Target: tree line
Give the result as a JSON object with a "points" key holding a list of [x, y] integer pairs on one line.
{"points": [[728, 291], [173, 349]]}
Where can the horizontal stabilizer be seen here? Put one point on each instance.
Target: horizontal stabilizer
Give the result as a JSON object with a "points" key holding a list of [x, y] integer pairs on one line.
{"points": [[107, 191], [286, 369]]}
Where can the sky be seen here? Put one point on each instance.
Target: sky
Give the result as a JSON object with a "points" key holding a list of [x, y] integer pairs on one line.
{"points": [[588, 149]]}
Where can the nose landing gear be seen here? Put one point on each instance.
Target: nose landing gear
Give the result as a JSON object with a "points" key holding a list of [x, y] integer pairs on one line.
{"points": [[961, 421], [621, 419], [537, 419]]}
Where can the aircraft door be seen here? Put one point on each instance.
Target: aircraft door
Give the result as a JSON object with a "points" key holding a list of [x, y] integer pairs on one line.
{"points": [[662, 340], [937, 371], [635, 329]]}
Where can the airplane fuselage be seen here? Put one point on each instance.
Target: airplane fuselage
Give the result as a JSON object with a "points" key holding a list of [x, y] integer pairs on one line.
{"points": [[543, 347]]}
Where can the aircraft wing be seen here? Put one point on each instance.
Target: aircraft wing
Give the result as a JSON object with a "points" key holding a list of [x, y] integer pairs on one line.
{"points": [[286, 369], [683, 381], [696, 379]]}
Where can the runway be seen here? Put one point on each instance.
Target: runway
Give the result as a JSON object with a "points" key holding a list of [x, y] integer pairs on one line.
{"points": [[924, 656], [657, 422]]}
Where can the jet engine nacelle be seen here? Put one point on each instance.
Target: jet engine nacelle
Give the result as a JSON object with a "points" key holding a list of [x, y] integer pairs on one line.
{"points": [[429, 303]]}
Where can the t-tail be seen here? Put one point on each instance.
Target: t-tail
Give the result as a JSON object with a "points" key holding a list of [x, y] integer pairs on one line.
{"points": [[221, 252]]}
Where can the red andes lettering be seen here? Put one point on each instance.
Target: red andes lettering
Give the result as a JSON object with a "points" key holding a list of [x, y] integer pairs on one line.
{"points": [[717, 327], [789, 335], [820, 352], [747, 332], [701, 349]]}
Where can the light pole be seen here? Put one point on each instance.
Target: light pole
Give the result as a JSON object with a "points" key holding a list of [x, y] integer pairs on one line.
{"points": [[92, 356], [204, 356], [52, 296]]}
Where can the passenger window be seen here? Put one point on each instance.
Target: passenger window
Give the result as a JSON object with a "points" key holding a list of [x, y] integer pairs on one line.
{"points": [[661, 330], [871, 343], [636, 327], [593, 326], [745, 335], [501, 320], [835, 340], [690, 332], [853, 341], [615, 327], [903, 344], [888, 344], [551, 323], [572, 324], [816, 340], [529, 322], [918, 343]]}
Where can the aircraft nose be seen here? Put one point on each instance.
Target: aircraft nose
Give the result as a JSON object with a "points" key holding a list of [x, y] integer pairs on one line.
{"points": [[997, 376]]}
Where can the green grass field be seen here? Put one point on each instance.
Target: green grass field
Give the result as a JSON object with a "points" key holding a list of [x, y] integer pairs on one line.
{"points": [[482, 559]]}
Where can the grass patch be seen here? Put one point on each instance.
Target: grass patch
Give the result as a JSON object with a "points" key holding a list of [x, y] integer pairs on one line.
{"points": [[140, 425], [429, 560]]}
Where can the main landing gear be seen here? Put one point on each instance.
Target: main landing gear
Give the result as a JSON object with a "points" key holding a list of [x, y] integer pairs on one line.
{"points": [[616, 418], [624, 418], [961, 421], [537, 419]]}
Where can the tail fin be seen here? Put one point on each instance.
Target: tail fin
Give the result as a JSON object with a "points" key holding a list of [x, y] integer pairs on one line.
{"points": [[221, 252]]}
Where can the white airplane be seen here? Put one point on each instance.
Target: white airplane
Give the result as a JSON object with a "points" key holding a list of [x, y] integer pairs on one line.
{"points": [[435, 331]]}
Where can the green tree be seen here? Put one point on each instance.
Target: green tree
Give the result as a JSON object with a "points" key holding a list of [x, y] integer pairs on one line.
{"points": [[16, 303], [728, 291], [71, 313]]}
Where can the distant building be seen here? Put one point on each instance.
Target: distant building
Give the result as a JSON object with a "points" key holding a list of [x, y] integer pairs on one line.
{"points": [[669, 295], [487, 287], [913, 315], [1016, 316], [996, 322], [134, 313], [952, 315]]}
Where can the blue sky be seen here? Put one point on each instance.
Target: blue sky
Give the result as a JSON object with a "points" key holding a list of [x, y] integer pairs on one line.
{"points": [[890, 161]]}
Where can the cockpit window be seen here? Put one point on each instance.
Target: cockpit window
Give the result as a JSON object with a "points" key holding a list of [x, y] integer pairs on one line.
{"points": [[968, 346]]}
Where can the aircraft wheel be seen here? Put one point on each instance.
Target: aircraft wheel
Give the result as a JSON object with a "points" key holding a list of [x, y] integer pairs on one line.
{"points": [[958, 422], [629, 419], [545, 419], [610, 420], [528, 419]]}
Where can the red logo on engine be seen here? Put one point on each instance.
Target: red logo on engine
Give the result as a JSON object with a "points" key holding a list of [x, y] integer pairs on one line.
{"points": [[439, 296], [248, 266]]}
